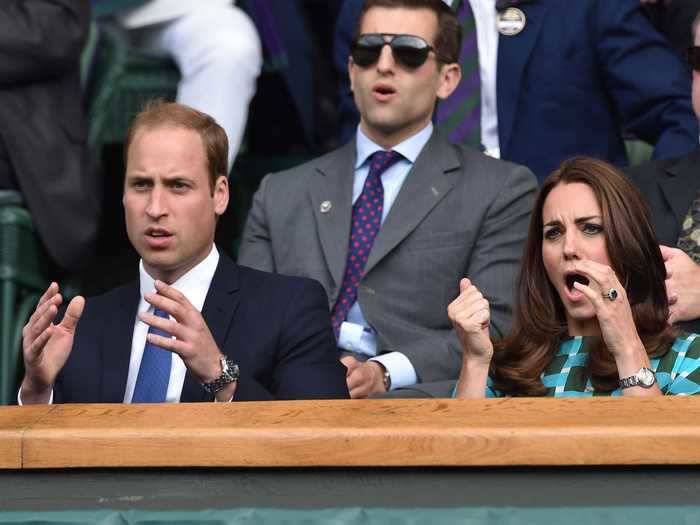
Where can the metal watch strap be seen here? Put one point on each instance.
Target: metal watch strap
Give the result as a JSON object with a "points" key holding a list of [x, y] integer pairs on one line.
{"points": [[635, 380], [229, 374], [386, 378]]}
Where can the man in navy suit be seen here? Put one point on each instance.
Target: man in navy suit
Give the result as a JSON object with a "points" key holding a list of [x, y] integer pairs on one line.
{"points": [[575, 76], [196, 327]]}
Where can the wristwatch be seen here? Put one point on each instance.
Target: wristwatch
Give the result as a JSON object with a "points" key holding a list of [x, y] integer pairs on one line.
{"points": [[386, 379], [645, 378], [229, 374]]}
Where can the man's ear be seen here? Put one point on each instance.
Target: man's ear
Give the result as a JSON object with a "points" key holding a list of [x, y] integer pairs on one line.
{"points": [[221, 194], [450, 75]]}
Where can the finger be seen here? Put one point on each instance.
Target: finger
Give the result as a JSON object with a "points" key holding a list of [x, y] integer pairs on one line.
{"points": [[464, 283], [166, 343], [166, 304], [173, 328], [35, 327], [672, 299], [73, 313], [171, 293], [593, 295], [41, 309], [465, 298], [671, 294], [50, 292], [482, 318], [667, 252], [38, 344], [350, 362], [355, 379], [601, 276], [673, 315], [358, 393], [669, 270]]}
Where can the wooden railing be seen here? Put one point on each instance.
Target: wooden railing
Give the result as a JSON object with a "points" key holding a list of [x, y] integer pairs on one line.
{"points": [[503, 432]]}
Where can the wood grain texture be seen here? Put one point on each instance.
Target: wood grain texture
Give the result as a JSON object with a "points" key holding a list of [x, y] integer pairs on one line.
{"points": [[503, 432], [14, 422]]}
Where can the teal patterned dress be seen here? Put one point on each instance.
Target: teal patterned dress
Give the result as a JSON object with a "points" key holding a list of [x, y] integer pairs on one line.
{"points": [[677, 372]]}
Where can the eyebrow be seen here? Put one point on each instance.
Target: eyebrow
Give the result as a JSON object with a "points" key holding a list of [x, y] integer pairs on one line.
{"points": [[576, 221]]}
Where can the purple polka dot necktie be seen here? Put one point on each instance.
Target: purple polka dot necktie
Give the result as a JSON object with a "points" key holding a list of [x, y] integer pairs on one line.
{"points": [[365, 224]]}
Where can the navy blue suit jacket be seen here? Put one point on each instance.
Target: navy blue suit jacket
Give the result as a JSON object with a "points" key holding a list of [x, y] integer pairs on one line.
{"points": [[276, 328], [578, 75]]}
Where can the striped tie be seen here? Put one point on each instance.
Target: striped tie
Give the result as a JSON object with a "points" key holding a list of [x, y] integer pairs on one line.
{"points": [[459, 116]]}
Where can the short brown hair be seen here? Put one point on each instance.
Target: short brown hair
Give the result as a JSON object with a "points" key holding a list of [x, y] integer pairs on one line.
{"points": [[448, 37], [159, 113], [634, 254]]}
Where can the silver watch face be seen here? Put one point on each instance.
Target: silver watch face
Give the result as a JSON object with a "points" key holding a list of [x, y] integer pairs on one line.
{"points": [[646, 377]]}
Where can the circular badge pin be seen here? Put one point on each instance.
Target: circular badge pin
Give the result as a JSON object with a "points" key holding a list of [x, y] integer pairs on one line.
{"points": [[325, 206], [511, 21]]}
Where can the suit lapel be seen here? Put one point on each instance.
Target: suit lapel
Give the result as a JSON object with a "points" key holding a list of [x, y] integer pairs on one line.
{"points": [[513, 55], [334, 185], [116, 350], [425, 186], [680, 188], [219, 308]]}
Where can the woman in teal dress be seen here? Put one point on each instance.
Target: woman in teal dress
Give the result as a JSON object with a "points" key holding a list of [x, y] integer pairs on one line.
{"points": [[591, 316]]}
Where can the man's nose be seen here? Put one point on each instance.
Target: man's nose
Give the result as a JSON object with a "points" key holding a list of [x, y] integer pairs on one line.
{"points": [[386, 59], [157, 202]]}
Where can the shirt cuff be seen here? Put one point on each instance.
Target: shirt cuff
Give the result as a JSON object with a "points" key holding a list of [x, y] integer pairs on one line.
{"points": [[399, 367], [19, 397], [357, 338]]}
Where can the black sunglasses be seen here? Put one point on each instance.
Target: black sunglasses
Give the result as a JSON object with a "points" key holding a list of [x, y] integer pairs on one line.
{"points": [[694, 57], [408, 50]]}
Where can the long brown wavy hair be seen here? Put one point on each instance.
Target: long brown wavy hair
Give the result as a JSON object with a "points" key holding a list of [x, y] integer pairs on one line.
{"points": [[540, 321]]}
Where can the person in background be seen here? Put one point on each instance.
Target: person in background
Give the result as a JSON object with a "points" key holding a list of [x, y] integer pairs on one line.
{"points": [[43, 147], [389, 222], [214, 44], [555, 79]]}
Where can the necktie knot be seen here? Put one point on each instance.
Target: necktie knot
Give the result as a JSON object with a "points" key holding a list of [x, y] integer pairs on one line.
{"points": [[380, 161], [154, 373]]}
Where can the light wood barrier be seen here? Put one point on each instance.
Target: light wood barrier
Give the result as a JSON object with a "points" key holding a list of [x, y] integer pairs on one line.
{"points": [[375, 433]]}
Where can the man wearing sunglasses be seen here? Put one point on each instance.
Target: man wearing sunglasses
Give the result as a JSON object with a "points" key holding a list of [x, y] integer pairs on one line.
{"points": [[672, 190], [568, 79], [390, 222]]}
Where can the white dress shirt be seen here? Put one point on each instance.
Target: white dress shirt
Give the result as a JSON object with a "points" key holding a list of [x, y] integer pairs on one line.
{"points": [[356, 335], [194, 285]]}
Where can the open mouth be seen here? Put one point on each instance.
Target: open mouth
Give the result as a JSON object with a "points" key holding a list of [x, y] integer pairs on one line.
{"points": [[571, 278], [384, 90]]}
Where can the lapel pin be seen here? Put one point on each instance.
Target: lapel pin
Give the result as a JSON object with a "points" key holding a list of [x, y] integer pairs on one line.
{"points": [[511, 21], [325, 206]]}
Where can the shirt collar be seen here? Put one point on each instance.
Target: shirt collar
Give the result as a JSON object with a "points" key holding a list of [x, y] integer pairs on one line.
{"points": [[409, 148], [193, 284]]}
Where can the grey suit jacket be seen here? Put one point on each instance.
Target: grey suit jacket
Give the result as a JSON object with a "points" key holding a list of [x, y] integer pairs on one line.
{"points": [[458, 213]]}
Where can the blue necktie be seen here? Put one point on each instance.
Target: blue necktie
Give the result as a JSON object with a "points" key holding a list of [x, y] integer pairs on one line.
{"points": [[154, 372]]}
